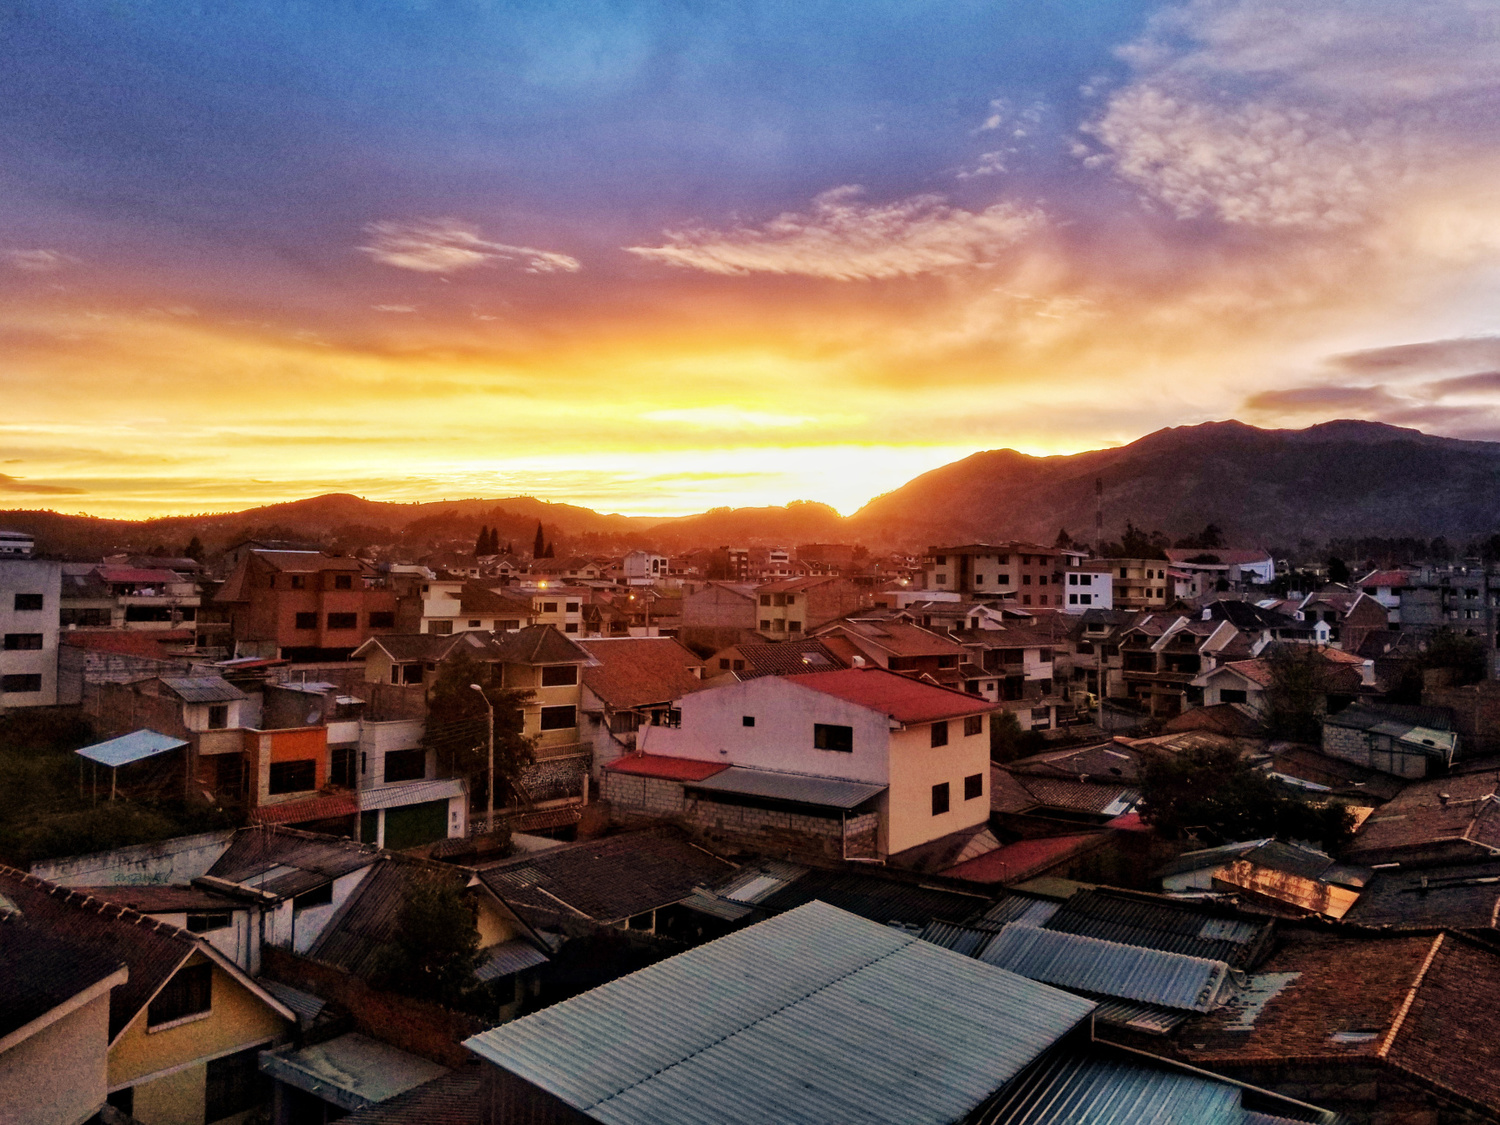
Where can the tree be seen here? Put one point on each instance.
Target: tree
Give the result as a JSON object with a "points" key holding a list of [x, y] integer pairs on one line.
{"points": [[482, 543], [539, 544], [458, 723], [1009, 742], [1063, 541], [194, 550], [1297, 695], [434, 954], [547, 554], [1338, 571], [1213, 795], [1210, 537]]}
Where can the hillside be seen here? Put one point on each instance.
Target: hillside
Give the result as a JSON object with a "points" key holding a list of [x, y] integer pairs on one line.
{"points": [[1268, 487]]}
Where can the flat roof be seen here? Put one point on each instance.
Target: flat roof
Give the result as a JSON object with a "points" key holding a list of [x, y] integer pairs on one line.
{"points": [[352, 1071], [135, 747], [829, 792]]}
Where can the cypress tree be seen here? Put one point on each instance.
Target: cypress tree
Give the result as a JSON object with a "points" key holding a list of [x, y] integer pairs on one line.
{"points": [[539, 544]]}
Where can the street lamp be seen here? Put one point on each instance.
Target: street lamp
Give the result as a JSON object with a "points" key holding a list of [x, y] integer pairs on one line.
{"points": [[489, 816]]}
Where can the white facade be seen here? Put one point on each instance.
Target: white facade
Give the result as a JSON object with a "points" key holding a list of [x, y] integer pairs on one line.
{"points": [[1089, 589], [30, 597], [642, 568], [16, 544]]}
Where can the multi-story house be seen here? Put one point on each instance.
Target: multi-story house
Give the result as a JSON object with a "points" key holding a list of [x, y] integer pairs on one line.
{"points": [[789, 608], [459, 606], [1238, 568], [643, 568], [894, 643], [555, 604], [305, 605], [1141, 584], [1019, 666], [1090, 585], [851, 762], [16, 544], [1163, 655], [1029, 572], [30, 597]]}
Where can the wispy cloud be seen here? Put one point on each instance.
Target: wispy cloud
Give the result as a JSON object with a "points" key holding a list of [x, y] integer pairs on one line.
{"points": [[395, 308], [36, 488], [844, 239], [37, 261], [450, 245]]}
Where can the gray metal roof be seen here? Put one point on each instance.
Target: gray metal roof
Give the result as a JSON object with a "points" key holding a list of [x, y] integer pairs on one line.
{"points": [[412, 793], [814, 1016], [305, 1004], [1107, 968], [128, 748], [351, 1071], [959, 938], [203, 689], [827, 792], [509, 957], [1079, 1086]]}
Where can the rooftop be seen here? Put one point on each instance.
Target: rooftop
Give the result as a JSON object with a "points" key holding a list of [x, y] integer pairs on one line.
{"points": [[40, 972], [634, 671], [812, 1016], [903, 699], [286, 862]]}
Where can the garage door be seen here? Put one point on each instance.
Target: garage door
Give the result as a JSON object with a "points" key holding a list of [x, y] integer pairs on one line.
{"points": [[411, 826]]}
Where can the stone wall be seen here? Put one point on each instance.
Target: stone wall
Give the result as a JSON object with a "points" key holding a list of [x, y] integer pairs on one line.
{"points": [[551, 779]]}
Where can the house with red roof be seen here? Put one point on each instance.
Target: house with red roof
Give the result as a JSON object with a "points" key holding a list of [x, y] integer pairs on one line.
{"points": [[857, 762]]}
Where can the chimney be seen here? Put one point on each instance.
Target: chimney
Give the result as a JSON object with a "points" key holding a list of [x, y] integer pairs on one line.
{"points": [[859, 661]]}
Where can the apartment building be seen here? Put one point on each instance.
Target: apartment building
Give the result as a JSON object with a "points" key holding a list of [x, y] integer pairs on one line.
{"points": [[305, 605], [30, 597], [1028, 572]]}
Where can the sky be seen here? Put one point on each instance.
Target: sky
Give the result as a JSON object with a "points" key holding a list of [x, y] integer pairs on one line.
{"points": [[657, 258]]}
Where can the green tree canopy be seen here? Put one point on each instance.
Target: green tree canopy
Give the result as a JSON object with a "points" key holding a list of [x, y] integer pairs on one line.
{"points": [[1212, 794], [458, 722], [435, 952], [1297, 695]]}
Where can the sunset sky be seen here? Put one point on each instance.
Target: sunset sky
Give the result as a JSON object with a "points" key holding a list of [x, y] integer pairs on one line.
{"points": [[654, 258]]}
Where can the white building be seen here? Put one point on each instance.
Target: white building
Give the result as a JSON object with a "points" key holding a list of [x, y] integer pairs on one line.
{"points": [[1089, 589], [30, 595], [642, 568], [16, 544]]}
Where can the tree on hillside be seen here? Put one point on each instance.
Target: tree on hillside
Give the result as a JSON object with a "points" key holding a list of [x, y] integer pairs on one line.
{"points": [[482, 543], [1338, 571], [547, 554], [1211, 794], [539, 544], [193, 550], [1137, 544], [457, 724], [1064, 541], [1209, 538]]}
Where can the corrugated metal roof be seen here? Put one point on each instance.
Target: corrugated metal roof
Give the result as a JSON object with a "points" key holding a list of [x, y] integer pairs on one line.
{"points": [[961, 939], [1107, 968], [1172, 927], [1019, 908], [415, 793], [826, 792], [203, 689], [706, 902], [508, 957], [812, 1016], [305, 1004], [135, 747], [1149, 1018], [351, 1072], [1084, 1087]]}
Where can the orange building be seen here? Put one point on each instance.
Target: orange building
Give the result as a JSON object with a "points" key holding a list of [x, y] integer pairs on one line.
{"points": [[305, 605]]}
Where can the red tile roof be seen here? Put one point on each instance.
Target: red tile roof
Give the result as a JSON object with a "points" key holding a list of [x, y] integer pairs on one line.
{"points": [[667, 769], [136, 575], [1024, 858], [903, 699], [144, 642], [315, 808], [633, 671]]}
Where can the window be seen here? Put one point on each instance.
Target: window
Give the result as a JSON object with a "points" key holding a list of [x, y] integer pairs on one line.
{"points": [[723, 663], [973, 786], [474, 623], [1042, 600], [747, 720], [21, 682], [188, 993], [765, 625], [307, 620], [234, 1084], [832, 736], [947, 662], [1025, 599], [942, 579], [794, 626], [1124, 573], [410, 673], [383, 619], [342, 772], [1045, 655], [1025, 580], [1229, 695], [218, 716], [28, 603], [559, 675], [1072, 599], [318, 896], [571, 627], [791, 599], [507, 626], [765, 599], [343, 581], [15, 641], [571, 607], [940, 798], [1041, 580], [1002, 579], [299, 582], [940, 733], [83, 618], [405, 765], [343, 621], [979, 580], [559, 718], [1086, 599], [1085, 579], [440, 628], [203, 923], [148, 613], [294, 777], [973, 724], [739, 665], [941, 560]]}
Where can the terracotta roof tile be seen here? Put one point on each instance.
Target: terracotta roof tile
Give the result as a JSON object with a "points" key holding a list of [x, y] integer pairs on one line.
{"points": [[903, 699], [634, 671]]}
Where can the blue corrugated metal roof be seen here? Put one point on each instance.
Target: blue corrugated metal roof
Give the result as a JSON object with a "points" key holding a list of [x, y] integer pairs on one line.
{"points": [[813, 1016], [1107, 968], [131, 748], [1080, 1087], [508, 957], [961, 939], [829, 792]]}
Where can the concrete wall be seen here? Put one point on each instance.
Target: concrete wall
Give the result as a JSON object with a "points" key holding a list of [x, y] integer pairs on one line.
{"points": [[57, 1076], [178, 860], [916, 766], [782, 738]]}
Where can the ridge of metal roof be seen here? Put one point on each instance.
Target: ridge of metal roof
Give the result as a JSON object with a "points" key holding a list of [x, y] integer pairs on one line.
{"points": [[828, 792]]}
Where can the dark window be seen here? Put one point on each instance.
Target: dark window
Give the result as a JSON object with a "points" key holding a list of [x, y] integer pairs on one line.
{"points": [[739, 666], [940, 798], [559, 675], [294, 777], [723, 663], [405, 765], [947, 662], [343, 621], [186, 994], [307, 621], [765, 626], [559, 718], [14, 641], [507, 626], [747, 720], [973, 724], [794, 626], [343, 581], [549, 607], [411, 673], [218, 716], [1045, 655], [940, 733], [318, 896], [791, 599], [148, 613], [571, 627], [28, 603], [440, 628], [832, 736], [299, 582], [84, 618], [570, 607], [474, 623], [21, 682], [973, 786], [1228, 695], [941, 560], [382, 619], [343, 766], [1003, 579], [202, 923], [234, 1084]]}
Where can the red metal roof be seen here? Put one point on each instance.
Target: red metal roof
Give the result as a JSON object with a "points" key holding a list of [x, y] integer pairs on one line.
{"points": [[135, 574], [1024, 858], [143, 642], [903, 699], [668, 769], [315, 808]]}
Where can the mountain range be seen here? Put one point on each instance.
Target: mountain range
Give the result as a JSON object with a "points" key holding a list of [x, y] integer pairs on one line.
{"points": [[1341, 479]]}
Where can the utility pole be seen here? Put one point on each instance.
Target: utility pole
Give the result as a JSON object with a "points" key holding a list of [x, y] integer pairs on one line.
{"points": [[489, 814]]}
